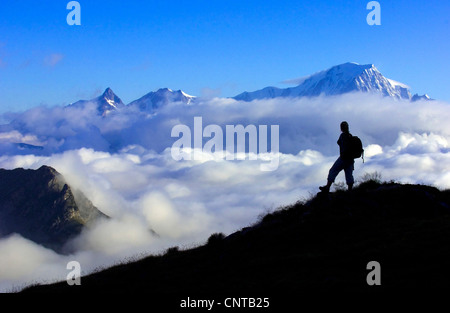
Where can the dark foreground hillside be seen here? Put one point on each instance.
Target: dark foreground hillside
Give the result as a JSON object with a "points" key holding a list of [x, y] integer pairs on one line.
{"points": [[317, 247], [40, 206]]}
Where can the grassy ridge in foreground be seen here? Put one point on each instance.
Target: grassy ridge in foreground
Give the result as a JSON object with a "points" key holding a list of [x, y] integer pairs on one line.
{"points": [[323, 244]]}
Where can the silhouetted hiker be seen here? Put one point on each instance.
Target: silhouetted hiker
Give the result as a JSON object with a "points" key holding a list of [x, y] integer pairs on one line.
{"points": [[344, 162]]}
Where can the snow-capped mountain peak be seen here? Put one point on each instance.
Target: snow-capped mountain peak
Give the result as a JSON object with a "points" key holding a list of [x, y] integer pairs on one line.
{"points": [[156, 99], [105, 103], [109, 96], [339, 79], [108, 101]]}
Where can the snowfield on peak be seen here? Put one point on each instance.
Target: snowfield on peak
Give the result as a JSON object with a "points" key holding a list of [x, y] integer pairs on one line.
{"points": [[337, 80]]}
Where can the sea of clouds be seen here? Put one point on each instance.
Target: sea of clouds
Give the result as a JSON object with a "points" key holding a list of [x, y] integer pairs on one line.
{"points": [[123, 164]]}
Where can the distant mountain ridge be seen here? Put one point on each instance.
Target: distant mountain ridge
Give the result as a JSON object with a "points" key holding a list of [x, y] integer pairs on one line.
{"points": [[339, 79], [109, 102], [154, 100], [40, 206]]}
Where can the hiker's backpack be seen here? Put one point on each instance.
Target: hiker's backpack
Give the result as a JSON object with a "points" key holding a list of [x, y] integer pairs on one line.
{"points": [[356, 148]]}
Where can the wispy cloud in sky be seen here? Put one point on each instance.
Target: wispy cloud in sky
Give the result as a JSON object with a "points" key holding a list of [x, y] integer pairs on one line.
{"points": [[53, 59]]}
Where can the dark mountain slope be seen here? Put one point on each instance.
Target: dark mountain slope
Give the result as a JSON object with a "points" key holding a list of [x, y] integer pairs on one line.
{"points": [[321, 245], [41, 206]]}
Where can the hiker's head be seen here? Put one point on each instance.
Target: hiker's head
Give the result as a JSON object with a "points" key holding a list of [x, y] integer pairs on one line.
{"points": [[344, 127]]}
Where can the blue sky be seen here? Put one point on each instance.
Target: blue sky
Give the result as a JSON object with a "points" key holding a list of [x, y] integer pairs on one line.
{"points": [[210, 47]]}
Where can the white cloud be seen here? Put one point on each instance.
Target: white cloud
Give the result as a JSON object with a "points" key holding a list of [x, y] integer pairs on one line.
{"points": [[18, 265], [372, 150], [183, 202], [16, 137], [22, 261], [116, 236]]}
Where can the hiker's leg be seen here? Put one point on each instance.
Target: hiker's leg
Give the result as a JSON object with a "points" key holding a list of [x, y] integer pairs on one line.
{"points": [[335, 169], [349, 167]]}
